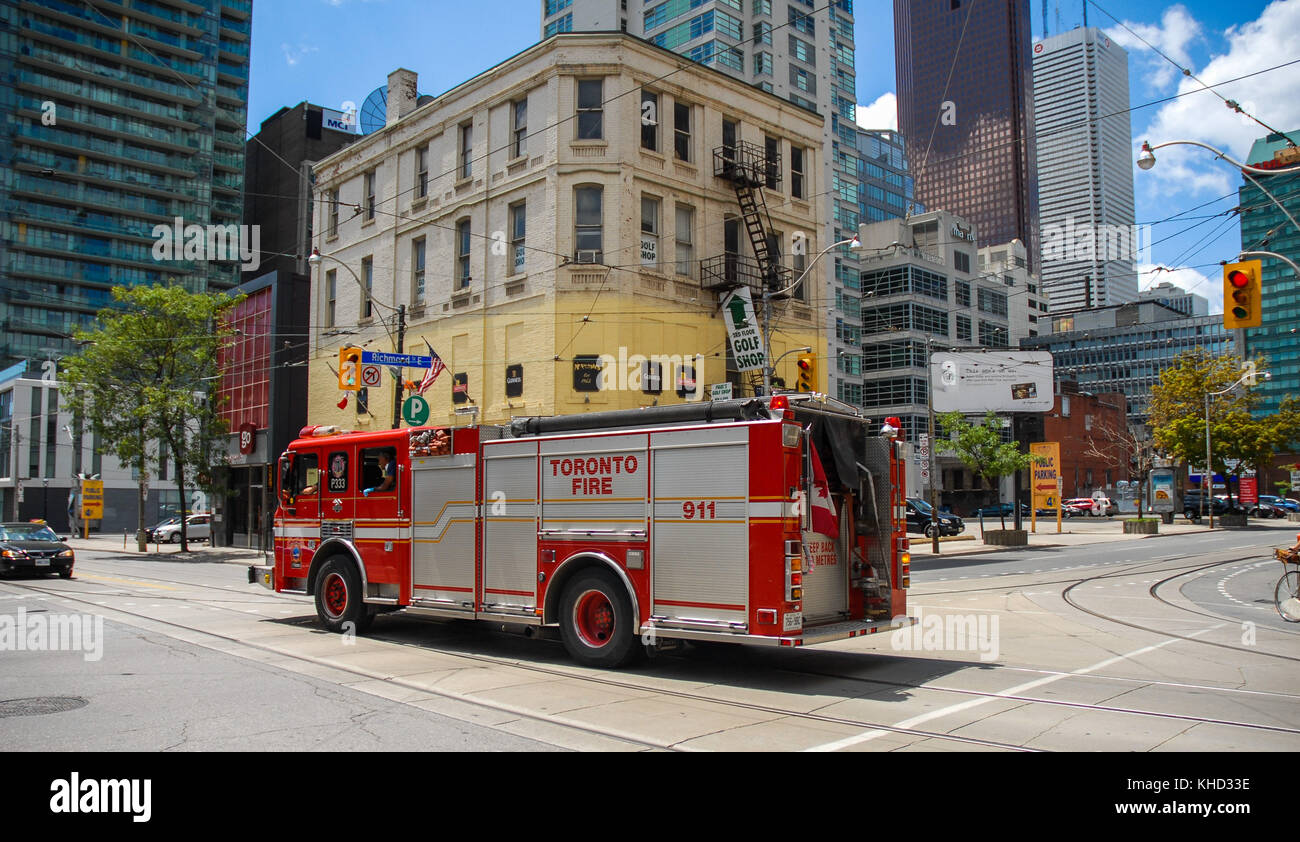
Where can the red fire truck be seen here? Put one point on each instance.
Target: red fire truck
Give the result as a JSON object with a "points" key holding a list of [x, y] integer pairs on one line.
{"points": [[623, 529]]}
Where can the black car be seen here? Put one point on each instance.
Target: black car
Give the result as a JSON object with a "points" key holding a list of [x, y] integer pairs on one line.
{"points": [[1194, 506], [33, 548], [919, 519]]}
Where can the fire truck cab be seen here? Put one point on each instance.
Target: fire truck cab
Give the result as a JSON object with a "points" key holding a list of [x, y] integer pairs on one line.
{"points": [[620, 530]]}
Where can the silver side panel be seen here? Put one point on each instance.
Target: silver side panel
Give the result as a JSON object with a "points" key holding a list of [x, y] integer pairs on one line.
{"points": [[443, 531], [595, 486], [700, 544], [826, 574], [510, 525]]}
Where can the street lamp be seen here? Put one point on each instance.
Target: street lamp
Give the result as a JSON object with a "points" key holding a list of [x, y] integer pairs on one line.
{"points": [[398, 391], [1147, 159], [1209, 471], [768, 368]]}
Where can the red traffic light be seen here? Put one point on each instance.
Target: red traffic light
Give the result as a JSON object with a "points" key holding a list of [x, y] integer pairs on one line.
{"points": [[1238, 278]]}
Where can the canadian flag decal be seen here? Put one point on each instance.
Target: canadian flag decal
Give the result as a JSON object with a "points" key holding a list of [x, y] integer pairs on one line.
{"points": [[824, 520]]}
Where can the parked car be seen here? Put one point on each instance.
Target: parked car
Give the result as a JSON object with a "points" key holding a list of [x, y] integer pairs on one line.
{"points": [[1104, 507], [197, 528], [998, 510], [34, 548], [151, 531], [919, 519], [1067, 511], [1281, 502], [1263, 509], [1194, 506]]}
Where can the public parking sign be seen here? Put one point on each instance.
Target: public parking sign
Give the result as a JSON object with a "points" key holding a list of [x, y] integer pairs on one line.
{"points": [[92, 499]]}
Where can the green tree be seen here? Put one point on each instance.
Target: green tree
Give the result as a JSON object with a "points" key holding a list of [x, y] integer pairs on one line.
{"points": [[145, 374], [981, 448], [1239, 436]]}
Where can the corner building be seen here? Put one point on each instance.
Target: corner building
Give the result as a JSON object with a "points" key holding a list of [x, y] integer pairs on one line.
{"points": [[531, 222]]}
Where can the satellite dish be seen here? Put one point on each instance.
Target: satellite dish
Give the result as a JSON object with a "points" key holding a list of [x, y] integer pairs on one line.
{"points": [[374, 111]]}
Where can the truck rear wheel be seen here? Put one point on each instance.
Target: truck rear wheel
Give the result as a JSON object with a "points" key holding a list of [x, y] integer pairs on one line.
{"points": [[596, 622], [338, 597]]}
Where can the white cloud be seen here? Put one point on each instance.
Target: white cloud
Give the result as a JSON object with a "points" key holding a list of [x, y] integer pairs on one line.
{"points": [[1173, 36], [293, 55], [1273, 97], [881, 114], [1191, 280]]}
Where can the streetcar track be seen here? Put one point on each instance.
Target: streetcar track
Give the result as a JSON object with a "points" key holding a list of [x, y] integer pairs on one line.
{"points": [[559, 673], [1070, 600]]}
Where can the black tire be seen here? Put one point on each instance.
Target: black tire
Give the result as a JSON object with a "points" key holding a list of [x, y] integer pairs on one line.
{"points": [[65, 574], [596, 622], [931, 531], [338, 597], [174, 538]]}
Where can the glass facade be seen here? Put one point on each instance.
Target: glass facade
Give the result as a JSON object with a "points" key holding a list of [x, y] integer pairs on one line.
{"points": [[114, 124], [968, 113], [1265, 227], [1129, 358]]}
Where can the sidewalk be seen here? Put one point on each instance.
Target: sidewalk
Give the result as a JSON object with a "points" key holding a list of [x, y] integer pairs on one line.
{"points": [[1080, 531], [200, 551]]}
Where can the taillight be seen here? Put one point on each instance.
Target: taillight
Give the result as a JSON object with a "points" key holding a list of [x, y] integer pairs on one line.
{"points": [[793, 576], [790, 435]]}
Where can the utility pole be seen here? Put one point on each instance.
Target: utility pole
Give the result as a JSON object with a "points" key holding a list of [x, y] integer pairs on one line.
{"points": [[929, 411], [400, 389]]}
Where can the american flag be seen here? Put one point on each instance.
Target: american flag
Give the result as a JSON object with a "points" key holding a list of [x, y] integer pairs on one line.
{"points": [[435, 368]]}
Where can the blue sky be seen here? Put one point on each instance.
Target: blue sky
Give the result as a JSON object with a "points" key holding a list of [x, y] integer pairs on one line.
{"points": [[332, 51]]}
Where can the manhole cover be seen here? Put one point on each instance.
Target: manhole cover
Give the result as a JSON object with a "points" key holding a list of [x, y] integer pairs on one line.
{"points": [[40, 705]]}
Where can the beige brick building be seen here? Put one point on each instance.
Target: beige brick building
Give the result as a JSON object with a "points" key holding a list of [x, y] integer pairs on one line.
{"points": [[556, 214]]}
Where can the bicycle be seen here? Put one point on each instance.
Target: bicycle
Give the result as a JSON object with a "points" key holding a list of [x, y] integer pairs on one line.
{"points": [[1286, 595]]}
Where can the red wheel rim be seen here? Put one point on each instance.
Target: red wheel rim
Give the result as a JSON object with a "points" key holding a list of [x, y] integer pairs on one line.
{"points": [[336, 595], [593, 618]]}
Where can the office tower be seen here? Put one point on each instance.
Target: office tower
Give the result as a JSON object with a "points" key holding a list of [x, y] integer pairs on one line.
{"points": [[965, 105], [1085, 170], [119, 120], [1264, 227], [1176, 298]]}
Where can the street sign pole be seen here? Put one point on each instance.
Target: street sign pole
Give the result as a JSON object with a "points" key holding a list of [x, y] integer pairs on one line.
{"points": [[398, 390]]}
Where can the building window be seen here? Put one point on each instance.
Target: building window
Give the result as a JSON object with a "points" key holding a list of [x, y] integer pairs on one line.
{"points": [[802, 22], [963, 328], [422, 172], [650, 121], [762, 64], [518, 226], [772, 161], [370, 195], [462, 254], [588, 228], [521, 128], [466, 167], [963, 294], [333, 198], [762, 33], [591, 109], [564, 24], [796, 172], [803, 80], [331, 296], [685, 241], [553, 6], [803, 51], [649, 232], [961, 261], [417, 271], [682, 131], [762, 7], [368, 282]]}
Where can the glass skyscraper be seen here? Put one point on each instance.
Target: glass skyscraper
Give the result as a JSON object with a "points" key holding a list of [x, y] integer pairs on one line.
{"points": [[1264, 227], [119, 115], [965, 105]]}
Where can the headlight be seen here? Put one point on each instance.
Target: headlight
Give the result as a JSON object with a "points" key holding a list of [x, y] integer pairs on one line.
{"points": [[66, 554], [14, 554]]}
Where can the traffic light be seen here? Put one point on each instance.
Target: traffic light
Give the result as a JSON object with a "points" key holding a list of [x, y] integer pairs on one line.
{"points": [[807, 380], [1242, 296], [350, 369]]}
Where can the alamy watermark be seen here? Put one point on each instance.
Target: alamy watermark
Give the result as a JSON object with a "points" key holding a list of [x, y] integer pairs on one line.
{"points": [[652, 373], [1089, 241], [218, 243], [947, 633], [42, 632]]}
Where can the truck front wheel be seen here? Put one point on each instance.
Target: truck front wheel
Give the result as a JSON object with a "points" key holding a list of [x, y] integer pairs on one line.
{"points": [[596, 622], [338, 597]]}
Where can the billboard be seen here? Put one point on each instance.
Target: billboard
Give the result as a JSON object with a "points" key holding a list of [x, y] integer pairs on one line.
{"points": [[992, 381]]}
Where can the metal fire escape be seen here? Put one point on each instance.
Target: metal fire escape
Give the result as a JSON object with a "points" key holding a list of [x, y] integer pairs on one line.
{"points": [[749, 168]]}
